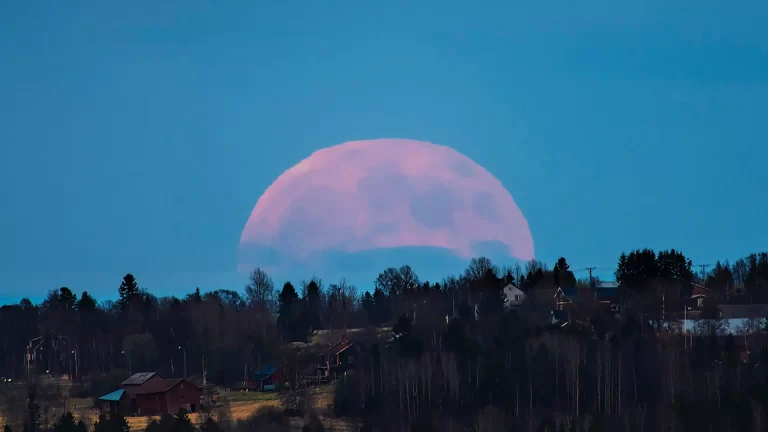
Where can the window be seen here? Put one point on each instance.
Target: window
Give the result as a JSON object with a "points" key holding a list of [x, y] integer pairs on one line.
{"points": [[700, 301], [351, 359], [518, 297]]}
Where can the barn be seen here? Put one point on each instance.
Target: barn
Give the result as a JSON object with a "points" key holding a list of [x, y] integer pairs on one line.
{"points": [[265, 379], [166, 396], [149, 394]]}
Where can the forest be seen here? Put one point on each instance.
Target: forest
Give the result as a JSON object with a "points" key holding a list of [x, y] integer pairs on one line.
{"points": [[455, 358]]}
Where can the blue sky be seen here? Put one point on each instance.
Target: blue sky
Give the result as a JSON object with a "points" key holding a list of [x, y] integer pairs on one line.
{"points": [[137, 136]]}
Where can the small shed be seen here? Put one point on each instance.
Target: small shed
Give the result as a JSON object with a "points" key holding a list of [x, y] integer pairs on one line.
{"points": [[265, 379], [115, 402]]}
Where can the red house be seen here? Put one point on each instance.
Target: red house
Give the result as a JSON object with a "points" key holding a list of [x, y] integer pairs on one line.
{"points": [[159, 396], [337, 359]]}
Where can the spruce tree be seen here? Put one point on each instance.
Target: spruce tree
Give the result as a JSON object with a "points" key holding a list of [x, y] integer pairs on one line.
{"points": [[128, 289]]}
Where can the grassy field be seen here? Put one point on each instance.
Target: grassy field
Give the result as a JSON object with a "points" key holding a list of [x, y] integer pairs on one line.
{"points": [[243, 405]]}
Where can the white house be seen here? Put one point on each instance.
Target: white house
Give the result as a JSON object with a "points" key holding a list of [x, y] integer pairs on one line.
{"points": [[515, 297]]}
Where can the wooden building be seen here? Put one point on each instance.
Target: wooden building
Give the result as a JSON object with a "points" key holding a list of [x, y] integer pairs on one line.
{"points": [[166, 396], [337, 359], [149, 394], [117, 402], [265, 379]]}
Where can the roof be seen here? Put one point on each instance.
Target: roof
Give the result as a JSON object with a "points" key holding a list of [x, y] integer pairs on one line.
{"points": [[744, 311], [605, 294], [513, 288], [607, 284], [333, 349], [113, 397], [699, 291], [156, 386], [138, 379], [264, 373], [343, 348]]}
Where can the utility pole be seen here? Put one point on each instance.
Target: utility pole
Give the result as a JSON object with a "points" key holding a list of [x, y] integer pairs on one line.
{"points": [[590, 270], [703, 268]]}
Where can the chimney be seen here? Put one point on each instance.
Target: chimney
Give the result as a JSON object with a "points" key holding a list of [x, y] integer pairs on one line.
{"points": [[344, 338]]}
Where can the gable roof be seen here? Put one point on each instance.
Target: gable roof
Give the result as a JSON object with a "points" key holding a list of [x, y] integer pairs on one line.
{"points": [[115, 396], [344, 348], [264, 373], [337, 347], [157, 386], [568, 292], [699, 291], [138, 379], [513, 288]]}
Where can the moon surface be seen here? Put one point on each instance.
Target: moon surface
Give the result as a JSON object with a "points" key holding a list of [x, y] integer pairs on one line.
{"points": [[384, 193]]}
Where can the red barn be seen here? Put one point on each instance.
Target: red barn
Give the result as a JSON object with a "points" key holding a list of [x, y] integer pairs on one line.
{"points": [[157, 396], [268, 378]]}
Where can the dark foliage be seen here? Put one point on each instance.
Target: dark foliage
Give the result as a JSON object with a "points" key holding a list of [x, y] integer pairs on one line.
{"points": [[452, 357]]}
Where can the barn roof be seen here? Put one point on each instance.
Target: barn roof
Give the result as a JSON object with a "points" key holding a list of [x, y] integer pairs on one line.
{"points": [[344, 348], [115, 396], [156, 386], [138, 379], [264, 373]]}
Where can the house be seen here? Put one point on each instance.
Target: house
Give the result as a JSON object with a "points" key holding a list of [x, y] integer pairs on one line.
{"points": [[337, 359], [265, 379], [565, 297], [116, 402], [160, 396], [607, 295], [514, 296], [699, 294]]}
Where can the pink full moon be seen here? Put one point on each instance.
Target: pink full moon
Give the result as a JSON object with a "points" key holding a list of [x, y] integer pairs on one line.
{"points": [[385, 193]]}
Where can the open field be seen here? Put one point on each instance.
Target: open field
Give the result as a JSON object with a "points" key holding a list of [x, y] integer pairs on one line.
{"points": [[243, 405]]}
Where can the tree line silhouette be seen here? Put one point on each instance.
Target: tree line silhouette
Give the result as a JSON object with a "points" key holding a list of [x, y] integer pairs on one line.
{"points": [[456, 358]]}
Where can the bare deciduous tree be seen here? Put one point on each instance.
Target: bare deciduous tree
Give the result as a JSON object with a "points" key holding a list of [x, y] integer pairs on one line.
{"points": [[260, 290]]}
